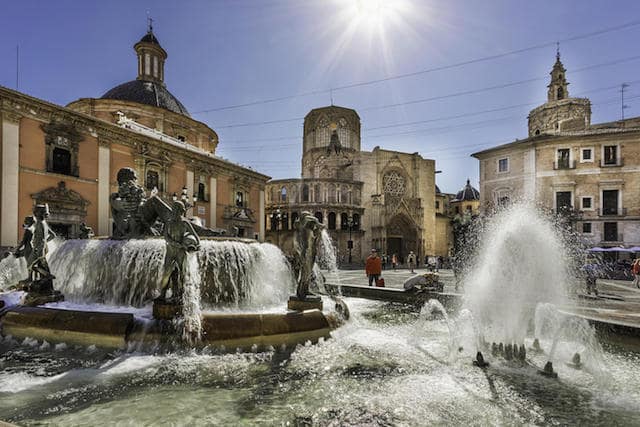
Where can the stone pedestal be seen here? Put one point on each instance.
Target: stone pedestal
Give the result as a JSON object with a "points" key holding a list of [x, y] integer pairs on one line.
{"points": [[166, 310], [33, 299], [310, 302]]}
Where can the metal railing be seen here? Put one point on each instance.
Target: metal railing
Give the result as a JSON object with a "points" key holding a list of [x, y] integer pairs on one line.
{"points": [[564, 164], [613, 212], [612, 164]]}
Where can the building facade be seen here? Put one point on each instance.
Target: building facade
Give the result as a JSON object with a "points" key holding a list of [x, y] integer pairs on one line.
{"points": [[69, 157], [379, 199], [589, 171]]}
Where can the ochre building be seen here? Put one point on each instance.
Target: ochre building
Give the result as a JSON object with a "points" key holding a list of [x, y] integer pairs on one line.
{"points": [[379, 199], [69, 156], [590, 172]]}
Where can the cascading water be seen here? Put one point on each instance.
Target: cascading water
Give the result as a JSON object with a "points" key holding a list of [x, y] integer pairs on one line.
{"points": [[326, 258], [191, 301], [128, 272], [520, 263]]}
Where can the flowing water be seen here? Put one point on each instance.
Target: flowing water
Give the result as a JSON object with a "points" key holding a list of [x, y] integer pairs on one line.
{"points": [[386, 367]]}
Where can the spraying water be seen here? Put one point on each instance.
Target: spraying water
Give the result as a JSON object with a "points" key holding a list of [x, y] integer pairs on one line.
{"points": [[191, 301], [326, 257], [520, 263]]}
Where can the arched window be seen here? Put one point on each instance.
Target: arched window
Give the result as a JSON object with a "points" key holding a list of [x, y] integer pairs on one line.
{"points": [[305, 193], [344, 221], [317, 195], [344, 194], [283, 195], [318, 215], [239, 199], [356, 222], [332, 220], [560, 93], [152, 180], [332, 193]]}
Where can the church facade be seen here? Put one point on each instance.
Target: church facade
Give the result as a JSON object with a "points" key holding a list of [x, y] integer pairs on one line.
{"points": [[69, 157], [380, 199]]}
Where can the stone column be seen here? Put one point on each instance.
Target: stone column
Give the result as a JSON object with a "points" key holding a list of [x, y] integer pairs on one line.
{"points": [[213, 202], [261, 218], [10, 178], [104, 189]]}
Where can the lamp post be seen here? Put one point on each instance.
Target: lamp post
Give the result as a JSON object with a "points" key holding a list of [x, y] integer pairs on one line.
{"points": [[350, 242], [278, 218]]}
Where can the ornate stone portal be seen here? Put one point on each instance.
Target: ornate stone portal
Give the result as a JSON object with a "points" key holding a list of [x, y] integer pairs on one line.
{"points": [[308, 231]]}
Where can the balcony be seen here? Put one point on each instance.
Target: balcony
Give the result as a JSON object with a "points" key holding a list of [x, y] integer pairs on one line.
{"points": [[619, 162], [612, 212], [612, 238], [564, 164]]}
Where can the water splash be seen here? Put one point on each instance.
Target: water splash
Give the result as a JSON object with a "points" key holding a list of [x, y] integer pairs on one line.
{"points": [[128, 272], [326, 258], [12, 270], [520, 263], [191, 301]]}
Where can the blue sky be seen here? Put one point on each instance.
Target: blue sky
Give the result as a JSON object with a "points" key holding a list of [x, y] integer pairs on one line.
{"points": [[228, 52]]}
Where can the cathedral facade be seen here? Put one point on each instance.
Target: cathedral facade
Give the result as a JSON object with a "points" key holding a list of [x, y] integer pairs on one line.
{"points": [[380, 199], [69, 157]]}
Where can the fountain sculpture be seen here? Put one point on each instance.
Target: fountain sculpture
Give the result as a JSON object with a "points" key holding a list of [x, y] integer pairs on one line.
{"points": [[308, 235]]}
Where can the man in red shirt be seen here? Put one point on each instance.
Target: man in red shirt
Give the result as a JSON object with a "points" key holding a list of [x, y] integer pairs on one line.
{"points": [[373, 267]]}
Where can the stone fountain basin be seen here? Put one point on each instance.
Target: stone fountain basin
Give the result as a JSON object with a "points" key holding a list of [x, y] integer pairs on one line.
{"points": [[224, 331]]}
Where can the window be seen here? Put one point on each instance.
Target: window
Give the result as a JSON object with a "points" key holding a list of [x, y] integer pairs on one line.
{"points": [[563, 158], [356, 222], [283, 195], [437, 204], [503, 165], [563, 201], [587, 202], [61, 161], [609, 202], [201, 192], [344, 221], [468, 208], [586, 155], [318, 216], [586, 227], [240, 199], [332, 220], [305, 193], [560, 93], [611, 232], [610, 155], [181, 138], [152, 180]]}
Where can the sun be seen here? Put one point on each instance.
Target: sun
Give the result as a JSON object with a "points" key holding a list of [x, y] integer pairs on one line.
{"points": [[375, 15]]}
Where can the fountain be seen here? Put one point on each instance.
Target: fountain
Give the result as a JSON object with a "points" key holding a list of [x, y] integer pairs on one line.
{"points": [[389, 365], [139, 288]]}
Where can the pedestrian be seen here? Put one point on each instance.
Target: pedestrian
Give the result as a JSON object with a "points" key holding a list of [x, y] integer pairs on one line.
{"points": [[411, 260], [373, 267], [590, 270], [384, 261], [394, 261], [635, 269]]}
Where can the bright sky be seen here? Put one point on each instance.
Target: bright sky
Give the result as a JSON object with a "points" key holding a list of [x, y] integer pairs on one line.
{"points": [[223, 53]]}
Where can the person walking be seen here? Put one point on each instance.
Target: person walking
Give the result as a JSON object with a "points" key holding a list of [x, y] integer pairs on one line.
{"points": [[411, 261], [384, 261], [635, 269], [394, 261], [373, 267]]}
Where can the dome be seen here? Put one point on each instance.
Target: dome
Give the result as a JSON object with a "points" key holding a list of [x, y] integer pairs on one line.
{"points": [[149, 38], [467, 193], [149, 93]]}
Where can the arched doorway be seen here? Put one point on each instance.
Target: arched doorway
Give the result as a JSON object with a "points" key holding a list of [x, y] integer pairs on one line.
{"points": [[402, 237]]}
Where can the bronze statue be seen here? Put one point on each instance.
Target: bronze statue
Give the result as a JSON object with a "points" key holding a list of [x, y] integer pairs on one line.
{"points": [[33, 247], [126, 206], [308, 231], [86, 232], [180, 238]]}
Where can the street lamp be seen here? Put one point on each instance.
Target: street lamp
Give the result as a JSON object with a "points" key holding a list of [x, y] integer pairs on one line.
{"points": [[350, 242]]}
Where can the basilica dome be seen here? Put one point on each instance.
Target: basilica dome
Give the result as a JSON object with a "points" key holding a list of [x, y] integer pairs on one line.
{"points": [[147, 92], [467, 193]]}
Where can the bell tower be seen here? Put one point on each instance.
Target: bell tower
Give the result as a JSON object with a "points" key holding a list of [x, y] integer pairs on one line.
{"points": [[151, 57], [558, 87]]}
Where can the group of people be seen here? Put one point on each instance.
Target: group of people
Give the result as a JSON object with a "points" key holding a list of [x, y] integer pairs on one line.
{"points": [[375, 264]]}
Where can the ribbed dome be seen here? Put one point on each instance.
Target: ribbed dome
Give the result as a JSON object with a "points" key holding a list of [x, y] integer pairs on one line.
{"points": [[467, 193], [149, 38], [149, 93]]}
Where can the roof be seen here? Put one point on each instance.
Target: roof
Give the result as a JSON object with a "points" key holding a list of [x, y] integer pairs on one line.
{"points": [[333, 108], [149, 93], [149, 38], [467, 193], [438, 190]]}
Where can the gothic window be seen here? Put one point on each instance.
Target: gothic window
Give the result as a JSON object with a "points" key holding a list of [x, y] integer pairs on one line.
{"points": [[560, 93], [332, 220], [356, 196], [61, 161], [305, 193], [344, 196], [152, 180], [332, 193], [394, 185], [317, 195], [318, 215], [283, 194], [293, 194]]}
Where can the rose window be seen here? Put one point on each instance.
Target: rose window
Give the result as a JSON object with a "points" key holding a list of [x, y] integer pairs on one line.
{"points": [[394, 184]]}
